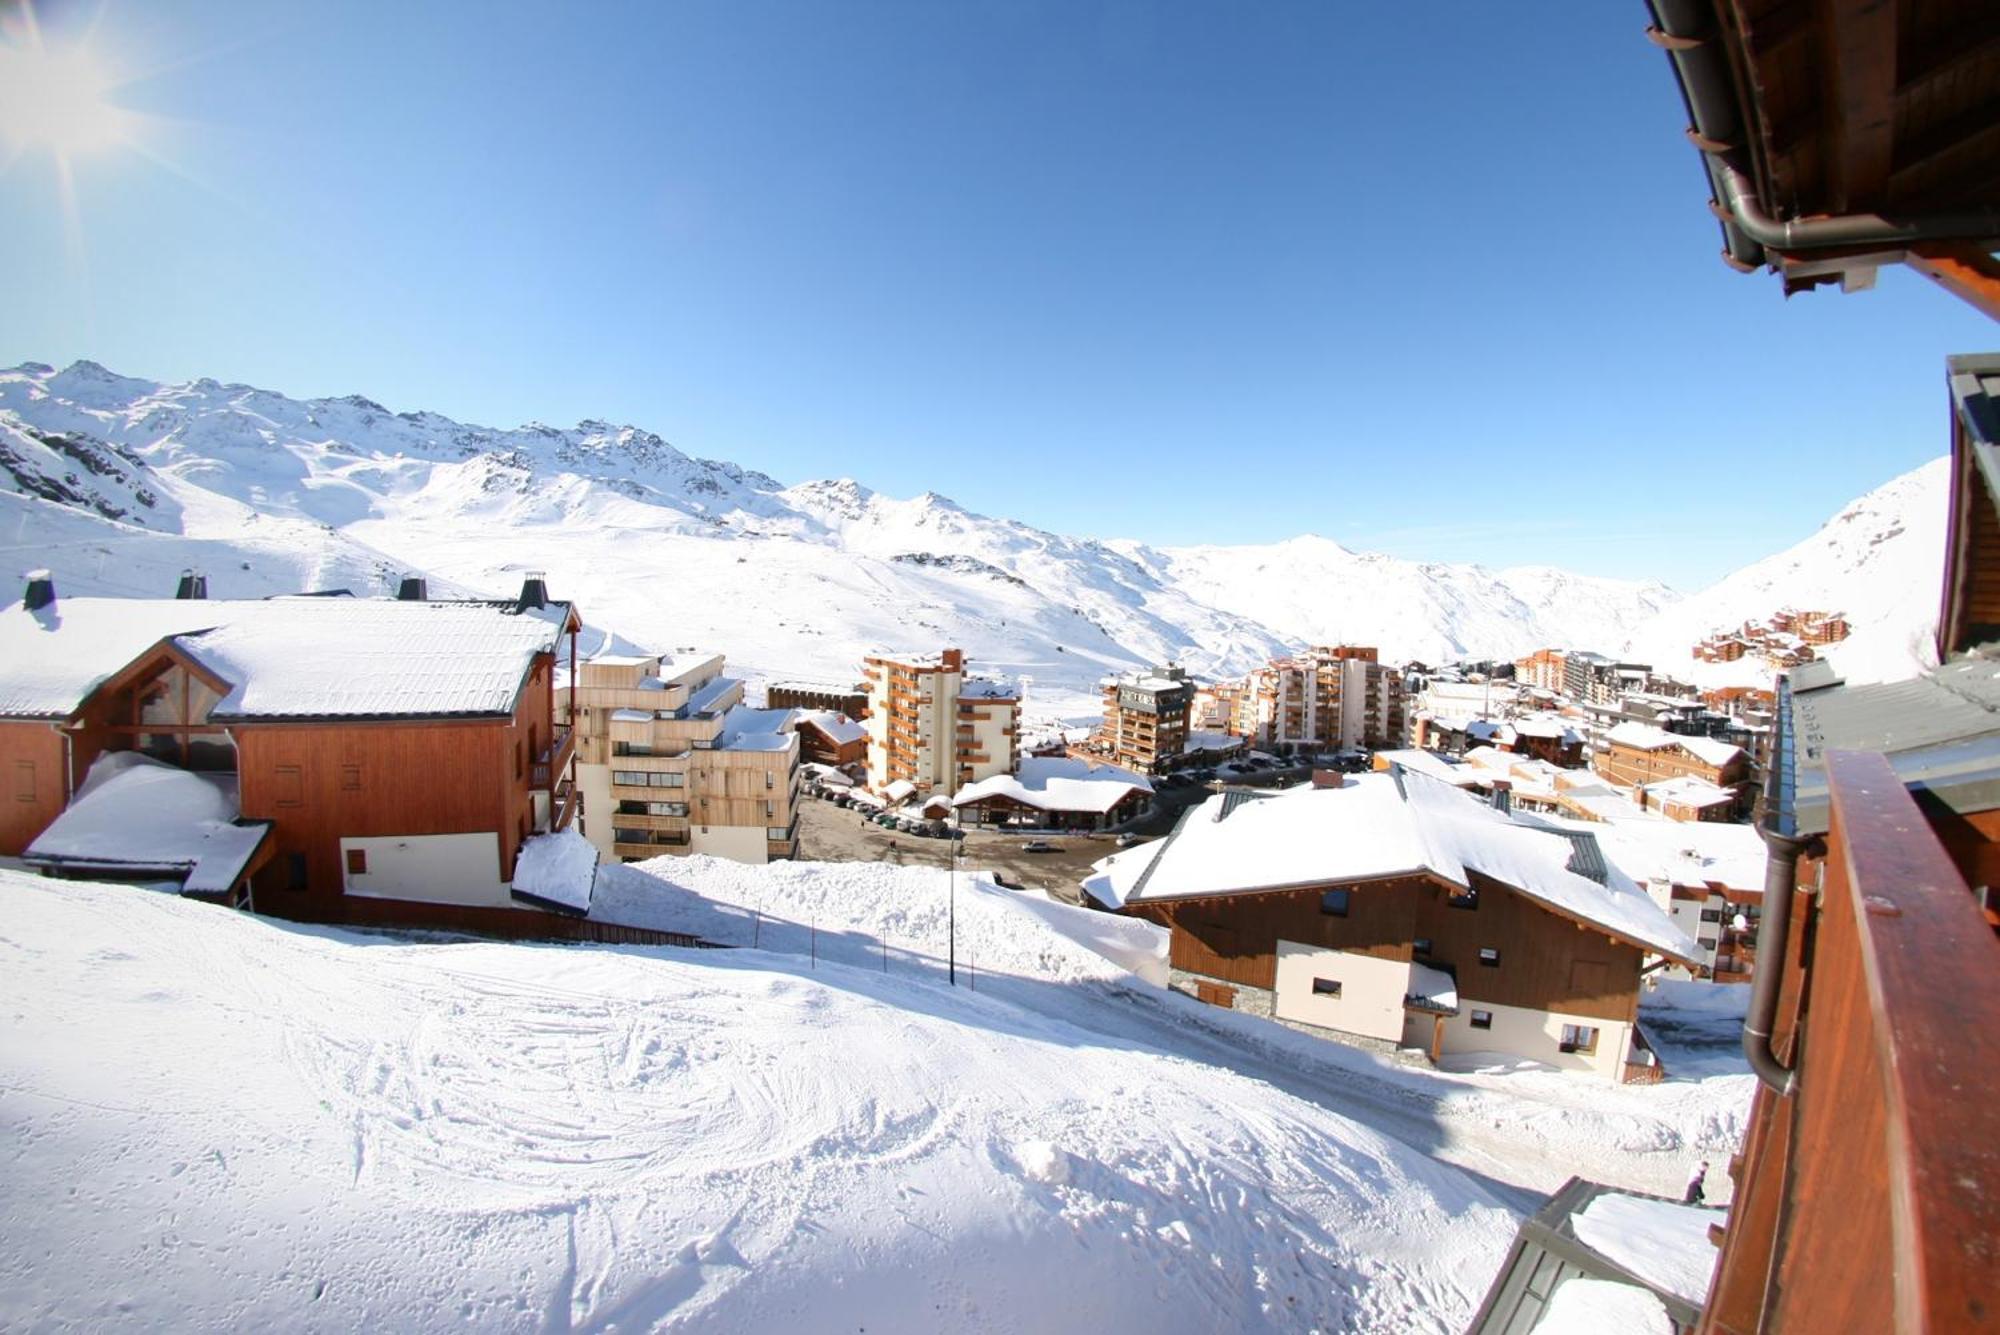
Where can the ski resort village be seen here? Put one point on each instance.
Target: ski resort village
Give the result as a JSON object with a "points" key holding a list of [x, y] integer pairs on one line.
{"points": [[537, 879]]}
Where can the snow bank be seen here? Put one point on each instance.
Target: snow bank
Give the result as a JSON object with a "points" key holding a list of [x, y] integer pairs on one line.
{"points": [[558, 869], [215, 1119]]}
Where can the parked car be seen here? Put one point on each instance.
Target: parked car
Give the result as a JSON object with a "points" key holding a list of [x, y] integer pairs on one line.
{"points": [[1128, 839], [1039, 846], [1005, 883]]}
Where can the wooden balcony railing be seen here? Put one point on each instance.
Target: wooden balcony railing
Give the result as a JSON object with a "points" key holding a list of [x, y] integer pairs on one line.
{"points": [[1868, 1198], [553, 758]]}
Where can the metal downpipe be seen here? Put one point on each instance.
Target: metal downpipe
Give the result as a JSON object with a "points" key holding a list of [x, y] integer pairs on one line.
{"points": [[1857, 229], [1781, 871]]}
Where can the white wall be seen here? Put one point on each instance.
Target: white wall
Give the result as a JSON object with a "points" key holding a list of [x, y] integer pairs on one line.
{"points": [[1371, 990], [1537, 1035], [593, 782], [430, 868], [738, 843]]}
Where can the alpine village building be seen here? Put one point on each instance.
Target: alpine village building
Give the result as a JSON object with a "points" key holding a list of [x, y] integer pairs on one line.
{"points": [[1145, 726], [670, 761], [934, 726], [1392, 908], [321, 757]]}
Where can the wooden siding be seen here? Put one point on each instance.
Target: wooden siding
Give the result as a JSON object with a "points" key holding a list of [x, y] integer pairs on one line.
{"points": [[1547, 962], [32, 782]]}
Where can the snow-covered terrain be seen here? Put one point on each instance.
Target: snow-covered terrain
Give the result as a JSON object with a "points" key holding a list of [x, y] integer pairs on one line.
{"points": [[116, 483], [215, 1119], [1880, 560]]}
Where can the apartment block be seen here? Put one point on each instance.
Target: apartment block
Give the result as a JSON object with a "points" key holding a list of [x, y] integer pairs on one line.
{"points": [[669, 761], [1146, 718], [933, 725], [1331, 696]]}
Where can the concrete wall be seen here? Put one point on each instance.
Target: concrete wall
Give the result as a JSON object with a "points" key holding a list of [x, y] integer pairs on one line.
{"points": [[593, 782], [1537, 1035], [1371, 990], [429, 869]]}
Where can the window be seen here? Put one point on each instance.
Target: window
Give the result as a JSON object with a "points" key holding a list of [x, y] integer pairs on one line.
{"points": [[1489, 957], [629, 777], [631, 748], [777, 834], [357, 862], [1421, 946], [350, 778], [770, 780], [1482, 1020], [296, 864], [24, 781], [1711, 915], [770, 810], [290, 784], [519, 753], [668, 780], [1334, 903], [1326, 987], [1465, 899], [1579, 1038]]}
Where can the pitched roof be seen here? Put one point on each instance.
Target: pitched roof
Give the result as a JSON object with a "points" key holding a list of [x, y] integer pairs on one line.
{"points": [[283, 657], [1058, 783], [1645, 737], [836, 727], [1380, 825]]}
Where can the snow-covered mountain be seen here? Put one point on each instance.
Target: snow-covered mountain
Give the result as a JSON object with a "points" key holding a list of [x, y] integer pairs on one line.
{"points": [[1880, 560], [117, 482]]}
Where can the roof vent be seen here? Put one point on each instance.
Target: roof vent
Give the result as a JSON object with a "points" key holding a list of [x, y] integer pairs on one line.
{"points": [[534, 592], [1503, 796], [413, 589], [41, 591], [193, 584]]}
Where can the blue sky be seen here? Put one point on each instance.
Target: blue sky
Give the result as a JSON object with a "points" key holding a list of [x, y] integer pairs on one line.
{"points": [[1406, 276]]}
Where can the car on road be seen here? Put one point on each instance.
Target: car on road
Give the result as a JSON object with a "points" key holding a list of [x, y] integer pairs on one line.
{"points": [[1039, 846], [1128, 839], [1005, 883]]}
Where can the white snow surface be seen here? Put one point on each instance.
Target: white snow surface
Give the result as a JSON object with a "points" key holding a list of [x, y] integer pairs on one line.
{"points": [[215, 1119], [1059, 783], [1660, 1242], [560, 867], [1582, 1306], [135, 811]]}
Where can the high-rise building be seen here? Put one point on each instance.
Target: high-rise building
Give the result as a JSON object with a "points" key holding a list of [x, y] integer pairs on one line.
{"points": [[933, 725]]}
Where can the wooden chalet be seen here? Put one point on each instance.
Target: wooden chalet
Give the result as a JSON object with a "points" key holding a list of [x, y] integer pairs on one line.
{"points": [[1392, 908], [1841, 135], [398, 753]]}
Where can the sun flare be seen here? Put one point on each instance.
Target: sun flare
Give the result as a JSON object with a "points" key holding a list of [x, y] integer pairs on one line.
{"points": [[56, 98]]}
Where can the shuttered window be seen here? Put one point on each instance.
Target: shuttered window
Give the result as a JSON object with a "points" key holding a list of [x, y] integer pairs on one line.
{"points": [[24, 781], [289, 785]]}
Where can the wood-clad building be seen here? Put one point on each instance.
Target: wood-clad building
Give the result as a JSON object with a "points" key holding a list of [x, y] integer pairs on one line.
{"points": [[933, 725], [401, 752], [1374, 907]]}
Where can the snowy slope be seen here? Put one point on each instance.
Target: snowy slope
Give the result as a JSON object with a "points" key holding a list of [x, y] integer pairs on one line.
{"points": [[213, 1119], [1319, 592], [673, 550], [1880, 560]]}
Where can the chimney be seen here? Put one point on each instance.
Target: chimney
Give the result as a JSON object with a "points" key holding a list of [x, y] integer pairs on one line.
{"points": [[193, 584], [954, 660], [413, 589], [1503, 795], [1328, 778], [41, 591], [534, 592]]}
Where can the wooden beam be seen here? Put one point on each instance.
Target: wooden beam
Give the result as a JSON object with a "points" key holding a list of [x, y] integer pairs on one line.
{"points": [[1860, 54], [1969, 275]]}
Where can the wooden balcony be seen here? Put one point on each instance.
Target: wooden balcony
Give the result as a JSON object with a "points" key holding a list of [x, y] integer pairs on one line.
{"points": [[554, 758], [1868, 1198]]}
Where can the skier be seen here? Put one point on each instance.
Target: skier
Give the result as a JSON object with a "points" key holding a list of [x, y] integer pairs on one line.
{"points": [[1695, 1194]]}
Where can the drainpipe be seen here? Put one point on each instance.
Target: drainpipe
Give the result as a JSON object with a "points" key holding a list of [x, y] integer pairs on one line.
{"points": [[1739, 197], [1781, 871]]}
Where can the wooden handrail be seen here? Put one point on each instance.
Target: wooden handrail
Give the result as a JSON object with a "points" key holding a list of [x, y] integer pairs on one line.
{"points": [[1932, 969]]}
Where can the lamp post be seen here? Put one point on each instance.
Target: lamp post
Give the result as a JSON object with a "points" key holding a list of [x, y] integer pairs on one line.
{"points": [[951, 900]]}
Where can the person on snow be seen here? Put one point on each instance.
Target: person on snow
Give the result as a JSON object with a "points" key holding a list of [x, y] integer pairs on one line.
{"points": [[1695, 1194]]}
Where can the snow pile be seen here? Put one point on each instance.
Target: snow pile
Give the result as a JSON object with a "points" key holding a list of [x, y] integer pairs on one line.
{"points": [[1660, 1242], [136, 815], [219, 1120], [557, 869], [1582, 1306]]}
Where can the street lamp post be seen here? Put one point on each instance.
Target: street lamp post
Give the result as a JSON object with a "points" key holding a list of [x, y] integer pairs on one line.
{"points": [[951, 902]]}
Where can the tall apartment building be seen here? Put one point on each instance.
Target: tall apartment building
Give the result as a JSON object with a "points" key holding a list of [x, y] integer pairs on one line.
{"points": [[1146, 718], [1332, 696], [934, 726], [1543, 668], [669, 761]]}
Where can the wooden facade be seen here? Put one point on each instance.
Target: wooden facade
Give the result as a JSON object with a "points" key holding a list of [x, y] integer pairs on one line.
{"points": [[1546, 961], [34, 768]]}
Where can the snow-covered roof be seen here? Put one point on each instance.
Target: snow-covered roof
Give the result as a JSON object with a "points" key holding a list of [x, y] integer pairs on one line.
{"points": [[557, 870], [898, 790], [1058, 783], [746, 729], [1689, 790], [134, 813], [1645, 737], [704, 698], [837, 727], [1203, 739], [1445, 769], [987, 688], [282, 657], [1647, 847], [1585, 1306], [1432, 984], [1389, 824], [1661, 1242], [632, 716]]}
